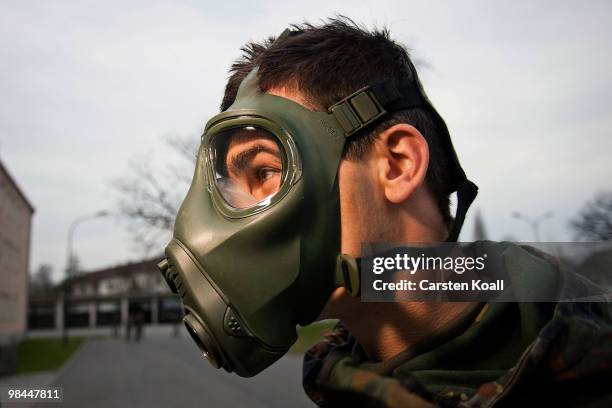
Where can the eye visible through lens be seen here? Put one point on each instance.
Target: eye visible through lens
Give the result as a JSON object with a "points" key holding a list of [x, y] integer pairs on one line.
{"points": [[249, 165]]}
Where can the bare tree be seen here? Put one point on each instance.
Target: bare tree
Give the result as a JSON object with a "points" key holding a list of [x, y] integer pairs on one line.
{"points": [[594, 222], [40, 281], [480, 231], [150, 195]]}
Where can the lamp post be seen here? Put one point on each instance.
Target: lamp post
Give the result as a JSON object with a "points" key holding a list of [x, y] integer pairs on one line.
{"points": [[69, 263], [534, 223]]}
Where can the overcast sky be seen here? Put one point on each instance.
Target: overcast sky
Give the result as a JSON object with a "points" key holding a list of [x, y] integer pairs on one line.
{"points": [[525, 88]]}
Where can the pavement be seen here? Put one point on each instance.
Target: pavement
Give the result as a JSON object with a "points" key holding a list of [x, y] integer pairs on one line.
{"points": [[167, 371], [41, 379]]}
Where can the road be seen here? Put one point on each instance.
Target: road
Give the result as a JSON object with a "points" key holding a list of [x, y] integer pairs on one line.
{"points": [[165, 371]]}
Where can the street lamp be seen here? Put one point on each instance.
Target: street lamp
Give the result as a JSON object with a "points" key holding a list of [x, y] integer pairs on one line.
{"points": [[534, 223], [69, 263]]}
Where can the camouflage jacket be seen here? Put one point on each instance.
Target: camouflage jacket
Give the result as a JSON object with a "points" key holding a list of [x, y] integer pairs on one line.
{"points": [[510, 355]]}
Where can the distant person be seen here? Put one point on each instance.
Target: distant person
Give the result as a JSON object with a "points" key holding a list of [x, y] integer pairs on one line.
{"points": [[135, 322]]}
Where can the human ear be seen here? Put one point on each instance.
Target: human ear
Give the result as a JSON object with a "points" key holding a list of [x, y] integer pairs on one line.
{"points": [[403, 159]]}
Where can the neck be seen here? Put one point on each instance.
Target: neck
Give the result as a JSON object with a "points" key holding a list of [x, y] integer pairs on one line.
{"points": [[387, 329]]}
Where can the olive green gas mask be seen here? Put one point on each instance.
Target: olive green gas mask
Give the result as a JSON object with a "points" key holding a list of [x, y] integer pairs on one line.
{"points": [[256, 246]]}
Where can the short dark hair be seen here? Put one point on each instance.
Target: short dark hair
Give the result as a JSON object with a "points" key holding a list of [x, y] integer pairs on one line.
{"points": [[328, 62]]}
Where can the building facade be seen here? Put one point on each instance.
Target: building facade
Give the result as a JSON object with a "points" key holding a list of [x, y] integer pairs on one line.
{"points": [[107, 298], [15, 226]]}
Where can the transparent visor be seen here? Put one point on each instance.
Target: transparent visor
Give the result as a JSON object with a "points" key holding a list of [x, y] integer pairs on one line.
{"points": [[249, 165]]}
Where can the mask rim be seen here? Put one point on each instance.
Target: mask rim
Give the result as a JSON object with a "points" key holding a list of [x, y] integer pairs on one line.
{"points": [[292, 172]]}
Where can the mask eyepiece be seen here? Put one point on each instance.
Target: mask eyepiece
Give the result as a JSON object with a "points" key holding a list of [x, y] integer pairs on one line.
{"points": [[251, 163]]}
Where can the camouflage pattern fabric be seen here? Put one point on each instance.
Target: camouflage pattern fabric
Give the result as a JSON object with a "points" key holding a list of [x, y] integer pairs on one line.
{"points": [[513, 355]]}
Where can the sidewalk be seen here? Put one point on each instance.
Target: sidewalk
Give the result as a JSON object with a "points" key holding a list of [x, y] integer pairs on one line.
{"points": [[166, 371]]}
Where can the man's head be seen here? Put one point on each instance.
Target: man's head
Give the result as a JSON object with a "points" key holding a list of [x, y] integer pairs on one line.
{"points": [[280, 204], [394, 177]]}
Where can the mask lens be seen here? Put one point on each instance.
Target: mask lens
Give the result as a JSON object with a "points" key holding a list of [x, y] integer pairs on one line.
{"points": [[248, 165]]}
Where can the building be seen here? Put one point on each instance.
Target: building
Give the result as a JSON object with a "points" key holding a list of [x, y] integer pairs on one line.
{"points": [[107, 298], [15, 227]]}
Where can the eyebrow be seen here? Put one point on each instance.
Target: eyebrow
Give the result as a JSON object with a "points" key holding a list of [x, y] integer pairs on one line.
{"points": [[240, 162]]}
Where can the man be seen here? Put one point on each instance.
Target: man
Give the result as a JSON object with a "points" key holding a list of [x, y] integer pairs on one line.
{"points": [[393, 181]]}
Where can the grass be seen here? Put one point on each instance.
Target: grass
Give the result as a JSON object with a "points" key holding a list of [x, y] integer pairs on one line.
{"points": [[45, 354], [48, 354], [311, 334]]}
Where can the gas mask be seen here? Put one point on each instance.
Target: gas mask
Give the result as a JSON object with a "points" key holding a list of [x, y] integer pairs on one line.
{"points": [[256, 245]]}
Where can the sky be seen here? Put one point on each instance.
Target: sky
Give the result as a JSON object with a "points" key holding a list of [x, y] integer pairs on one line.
{"points": [[87, 86]]}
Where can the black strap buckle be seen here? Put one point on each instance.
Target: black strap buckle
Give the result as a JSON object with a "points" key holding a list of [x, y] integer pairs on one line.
{"points": [[357, 110]]}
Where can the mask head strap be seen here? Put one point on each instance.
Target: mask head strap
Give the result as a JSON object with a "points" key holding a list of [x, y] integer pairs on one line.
{"points": [[370, 104]]}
